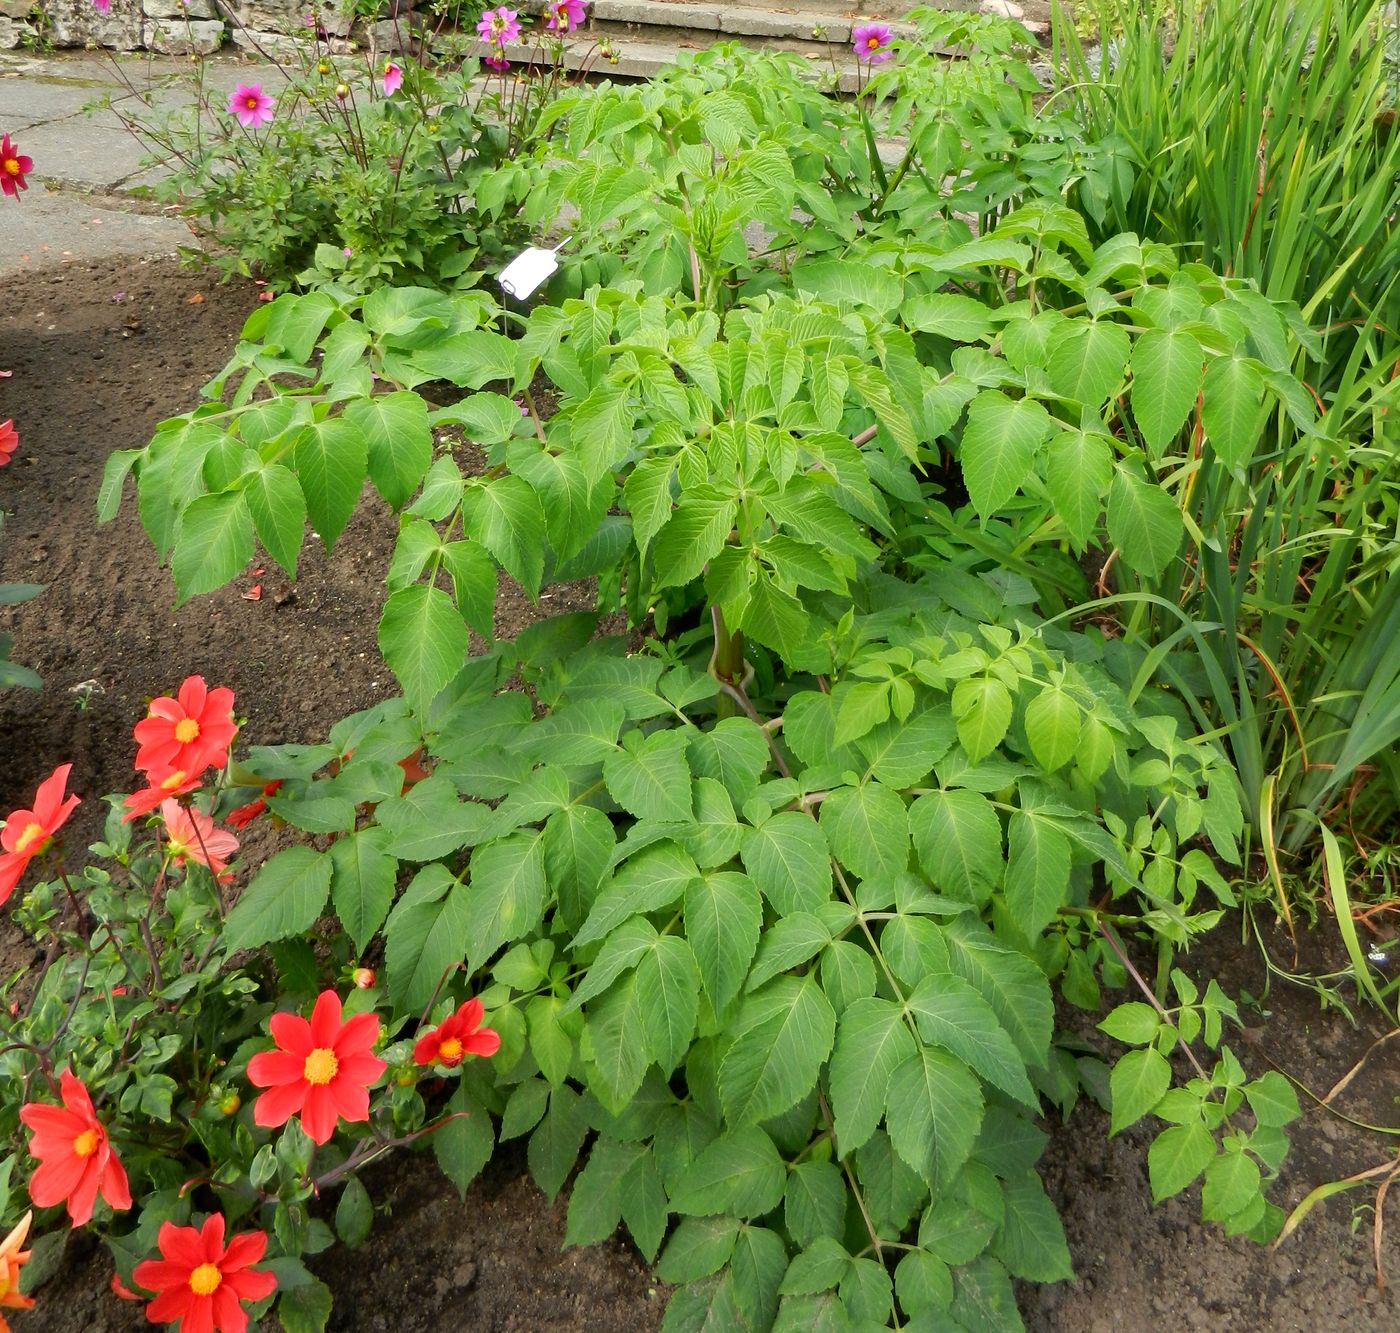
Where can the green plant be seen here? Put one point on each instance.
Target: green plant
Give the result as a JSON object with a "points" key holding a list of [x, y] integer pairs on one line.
{"points": [[357, 178], [1238, 1166], [1275, 162], [857, 794], [12, 673], [138, 1019]]}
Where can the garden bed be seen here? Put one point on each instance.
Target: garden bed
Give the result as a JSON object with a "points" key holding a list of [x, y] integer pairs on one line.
{"points": [[98, 356]]}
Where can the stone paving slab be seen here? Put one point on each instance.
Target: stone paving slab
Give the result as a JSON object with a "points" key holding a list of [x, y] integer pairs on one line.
{"points": [[47, 227]]}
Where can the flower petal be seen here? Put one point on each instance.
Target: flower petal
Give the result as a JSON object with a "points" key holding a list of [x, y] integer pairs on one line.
{"points": [[200, 1316], [172, 1304], [244, 1250], [361, 1069], [318, 1113], [229, 1315], [192, 694], [51, 1121], [75, 1097], [211, 1238], [275, 1107], [325, 1020], [49, 798], [81, 1201], [180, 1245], [56, 1179], [251, 1284], [486, 1042], [292, 1033], [359, 1034], [269, 1069], [471, 1014], [115, 1188], [350, 1099]]}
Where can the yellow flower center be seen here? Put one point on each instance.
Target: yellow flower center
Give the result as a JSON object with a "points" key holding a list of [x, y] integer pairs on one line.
{"points": [[85, 1144], [31, 833], [205, 1280], [252, 104], [451, 1049], [321, 1066], [872, 42], [187, 729], [176, 779], [12, 165]]}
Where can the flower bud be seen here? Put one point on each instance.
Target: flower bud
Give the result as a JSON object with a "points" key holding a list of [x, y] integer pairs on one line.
{"points": [[229, 1103], [342, 90], [363, 977], [405, 1078]]}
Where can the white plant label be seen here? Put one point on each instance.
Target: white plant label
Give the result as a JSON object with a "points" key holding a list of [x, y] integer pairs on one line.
{"points": [[528, 271]]}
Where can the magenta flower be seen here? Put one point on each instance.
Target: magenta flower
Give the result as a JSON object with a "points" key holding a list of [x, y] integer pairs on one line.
{"points": [[251, 105], [496, 61], [872, 42], [308, 20], [102, 6], [499, 26], [393, 79], [565, 15]]}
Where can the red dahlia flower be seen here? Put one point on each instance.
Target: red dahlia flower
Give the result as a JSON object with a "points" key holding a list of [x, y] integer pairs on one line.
{"points": [[189, 732], [178, 783], [14, 167], [27, 832], [12, 1259], [457, 1035], [9, 441], [75, 1158], [321, 1069], [193, 837], [245, 814], [201, 1281]]}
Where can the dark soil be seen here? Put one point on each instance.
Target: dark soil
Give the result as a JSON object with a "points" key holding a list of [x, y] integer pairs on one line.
{"points": [[1142, 1267], [92, 373]]}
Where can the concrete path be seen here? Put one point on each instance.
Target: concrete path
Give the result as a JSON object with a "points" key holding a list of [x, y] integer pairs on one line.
{"points": [[80, 202]]}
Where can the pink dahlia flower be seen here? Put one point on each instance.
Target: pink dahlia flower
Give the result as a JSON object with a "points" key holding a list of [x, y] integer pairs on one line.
{"points": [[872, 42], [251, 105], [565, 15], [499, 26]]}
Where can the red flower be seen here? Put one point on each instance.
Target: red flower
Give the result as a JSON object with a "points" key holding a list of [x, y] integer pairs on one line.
{"points": [[189, 732], [202, 1282], [413, 770], [457, 1035], [321, 1069], [75, 1159], [122, 1291], [193, 837], [175, 783], [245, 814], [27, 832], [12, 1259], [13, 167], [9, 441]]}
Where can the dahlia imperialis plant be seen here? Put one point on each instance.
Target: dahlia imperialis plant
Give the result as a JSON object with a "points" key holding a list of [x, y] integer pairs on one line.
{"points": [[124, 1065]]}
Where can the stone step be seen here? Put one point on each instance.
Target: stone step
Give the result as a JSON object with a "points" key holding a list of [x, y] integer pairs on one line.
{"points": [[718, 21], [644, 56], [834, 18]]}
